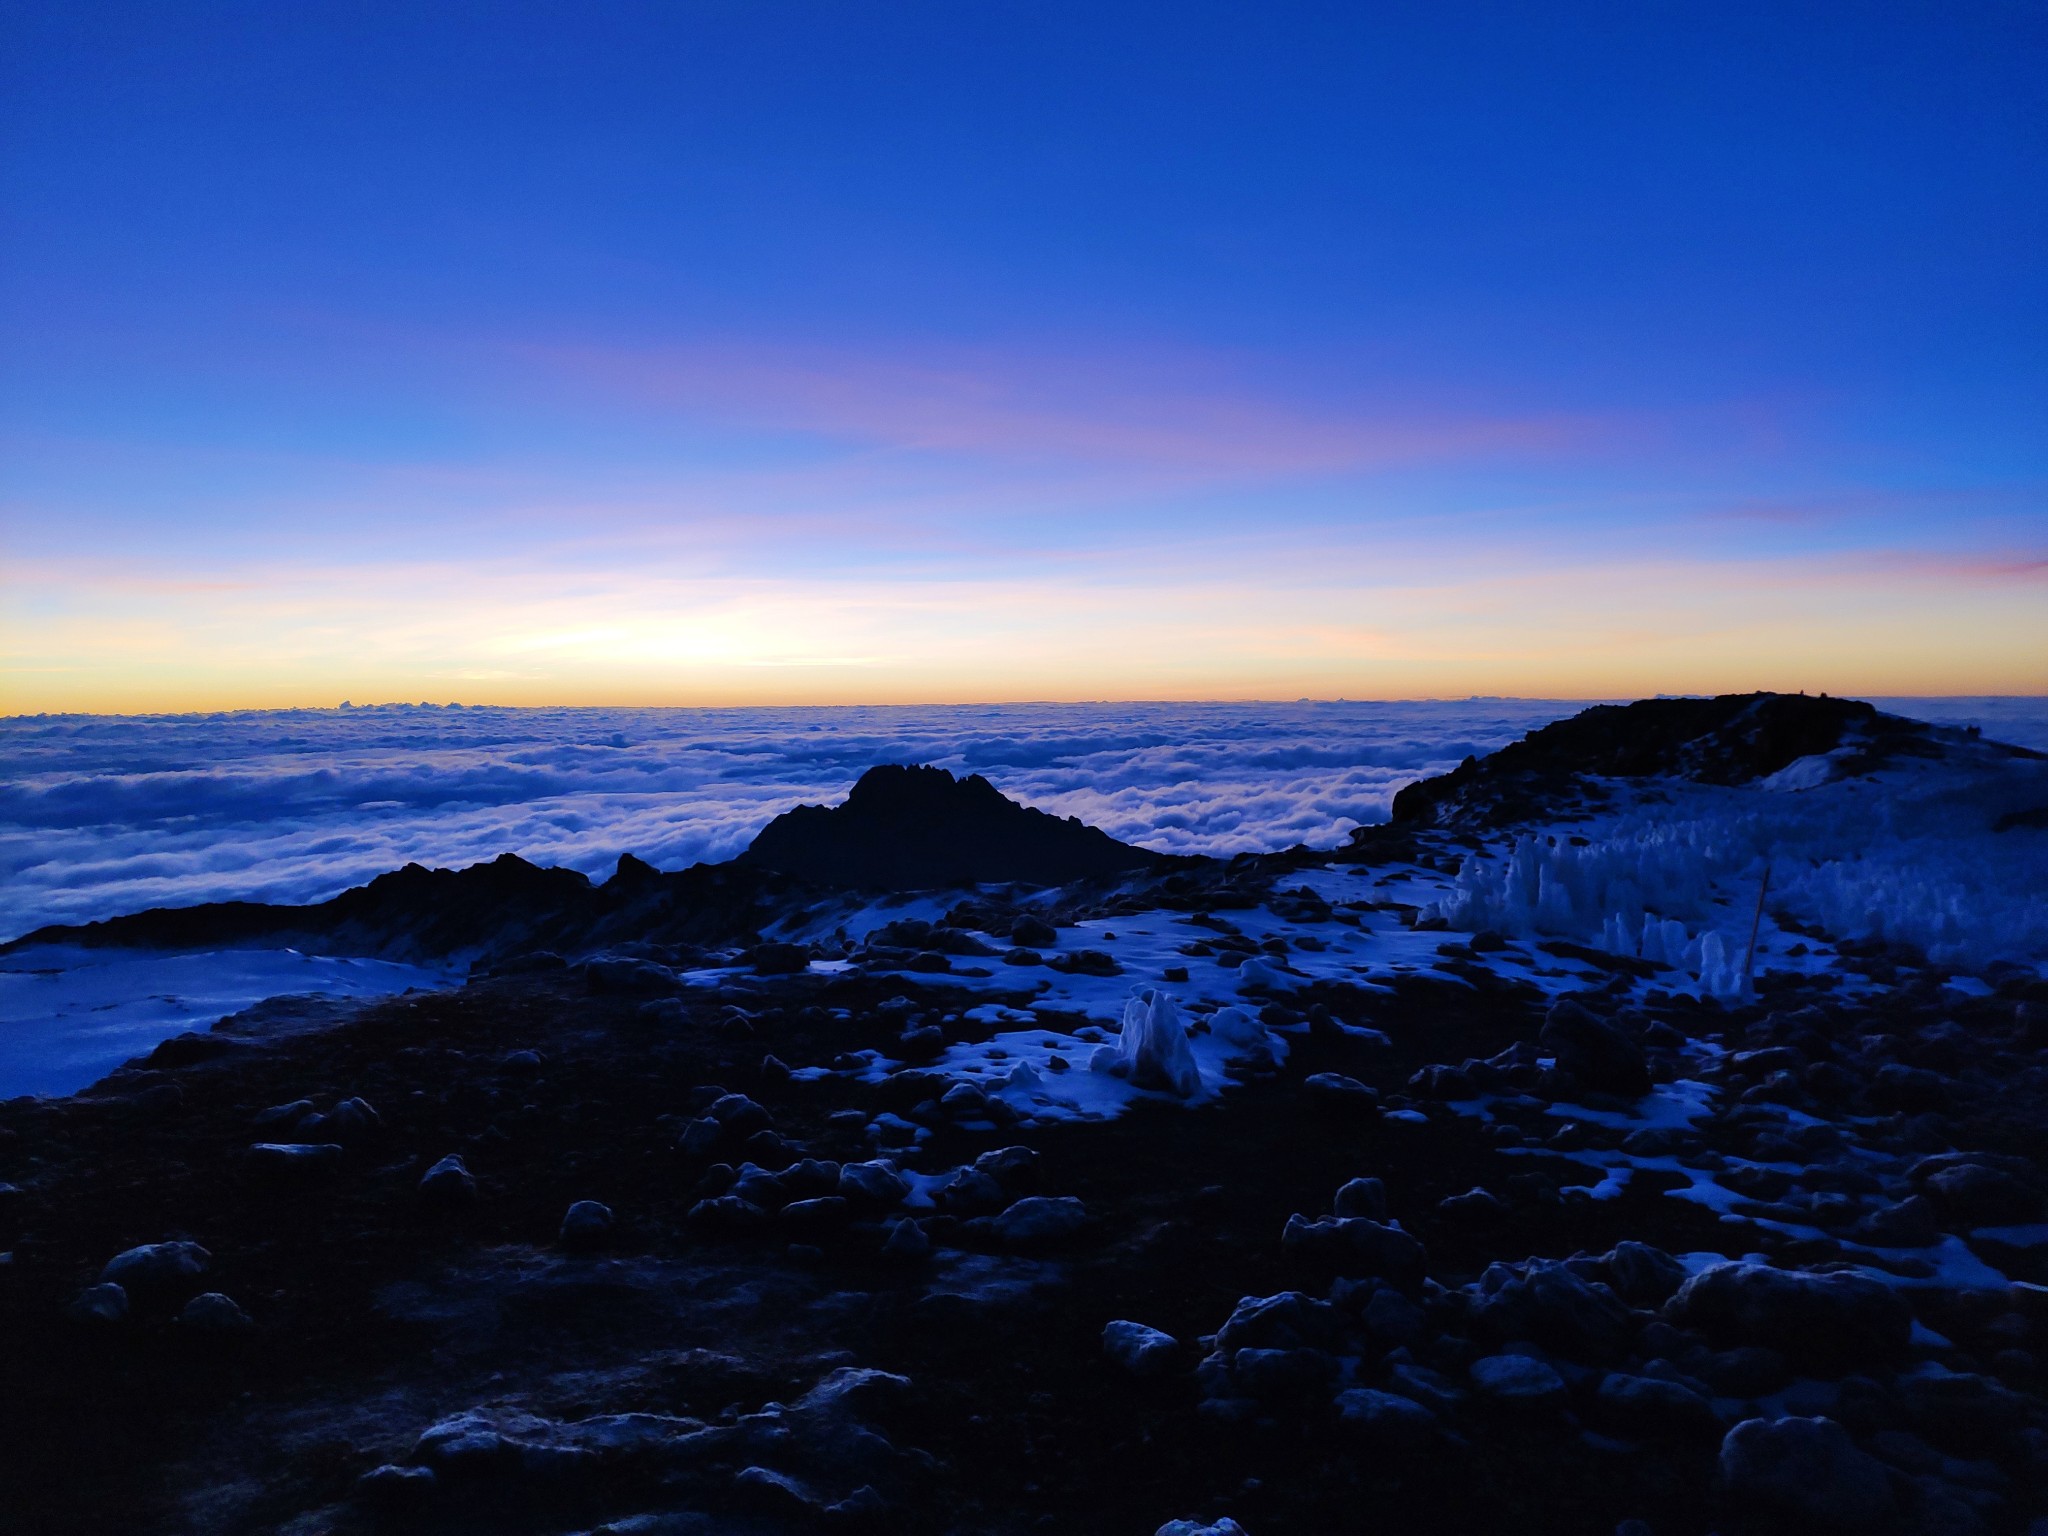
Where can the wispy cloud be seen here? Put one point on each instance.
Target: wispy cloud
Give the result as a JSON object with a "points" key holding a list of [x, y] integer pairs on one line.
{"points": [[1189, 413]]}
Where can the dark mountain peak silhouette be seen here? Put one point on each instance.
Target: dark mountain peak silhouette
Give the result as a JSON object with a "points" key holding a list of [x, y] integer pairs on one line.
{"points": [[909, 827]]}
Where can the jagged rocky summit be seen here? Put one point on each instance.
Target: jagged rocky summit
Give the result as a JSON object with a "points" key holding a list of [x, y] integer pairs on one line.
{"points": [[1735, 738], [914, 828]]}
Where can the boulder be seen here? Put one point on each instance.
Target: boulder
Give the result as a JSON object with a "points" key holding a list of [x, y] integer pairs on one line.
{"points": [[587, 1226], [1594, 1051], [1029, 932], [1806, 1472], [1546, 1301], [873, 1184], [1014, 1168], [1392, 1318], [282, 1117], [1476, 1207], [1650, 1405], [777, 959], [1362, 1197], [1283, 1374], [1820, 1320], [351, 1120], [157, 1269], [1979, 1196], [1285, 1320], [970, 1192], [1642, 1275], [1342, 1095], [1385, 1421], [1914, 1222], [212, 1312], [99, 1306], [1518, 1381], [727, 1213], [1441, 1080], [396, 1489], [448, 1183], [1140, 1350], [1037, 1221], [817, 1213], [294, 1163], [739, 1116], [907, 1242], [1356, 1245]]}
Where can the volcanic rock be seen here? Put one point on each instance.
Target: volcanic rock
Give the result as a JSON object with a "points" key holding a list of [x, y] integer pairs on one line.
{"points": [[914, 828]]}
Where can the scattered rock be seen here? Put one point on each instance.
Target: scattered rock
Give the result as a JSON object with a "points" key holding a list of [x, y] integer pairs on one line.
{"points": [[1036, 1221], [448, 1183], [99, 1305], [1355, 1245], [1345, 1095], [1818, 1319], [1029, 932], [1386, 1421], [1805, 1470], [1363, 1197], [294, 1163], [1014, 1168], [157, 1269], [1547, 1301], [727, 1213], [351, 1120], [212, 1312], [907, 1242], [587, 1226], [1594, 1051], [1140, 1350], [1518, 1381], [1648, 1405], [777, 959], [1980, 1196], [282, 1117], [873, 1184], [1476, 1207]]}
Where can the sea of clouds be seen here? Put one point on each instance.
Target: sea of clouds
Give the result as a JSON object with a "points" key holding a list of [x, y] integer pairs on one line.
{"points": [[101, 815]]}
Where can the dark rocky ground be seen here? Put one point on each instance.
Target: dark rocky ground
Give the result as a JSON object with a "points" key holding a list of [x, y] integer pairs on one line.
{"points": [[407, 1350]]}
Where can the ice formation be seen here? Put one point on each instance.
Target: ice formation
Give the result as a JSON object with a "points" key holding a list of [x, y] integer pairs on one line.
{"points": [[1912, 855], [1154, 1047]]}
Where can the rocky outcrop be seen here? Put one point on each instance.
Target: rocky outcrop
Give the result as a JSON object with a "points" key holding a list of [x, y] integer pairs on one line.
{"points": [[912, 828]]}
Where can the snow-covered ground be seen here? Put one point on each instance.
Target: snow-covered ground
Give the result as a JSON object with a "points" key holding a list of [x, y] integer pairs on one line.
{"points": [[68, 1016]]}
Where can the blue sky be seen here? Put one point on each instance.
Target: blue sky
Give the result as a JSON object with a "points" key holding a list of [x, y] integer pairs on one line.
{"points": [[783, 352]]}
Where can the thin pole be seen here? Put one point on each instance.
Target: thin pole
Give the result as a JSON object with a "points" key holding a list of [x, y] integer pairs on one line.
{"points": [[1755, 922]]}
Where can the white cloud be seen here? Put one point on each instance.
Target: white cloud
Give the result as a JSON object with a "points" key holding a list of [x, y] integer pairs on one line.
{"points": [[103, 815]]}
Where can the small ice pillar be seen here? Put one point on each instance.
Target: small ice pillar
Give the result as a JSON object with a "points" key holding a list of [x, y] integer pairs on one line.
{"points": [[1154, 1046]]}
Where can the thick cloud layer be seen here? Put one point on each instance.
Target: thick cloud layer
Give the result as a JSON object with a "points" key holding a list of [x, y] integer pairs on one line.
{"points": [[103, 815]]}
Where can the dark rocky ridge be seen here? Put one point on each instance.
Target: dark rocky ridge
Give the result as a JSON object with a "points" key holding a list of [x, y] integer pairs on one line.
{"points": [[901, 829], [489, 910], [916, 828], [1735, 738]]}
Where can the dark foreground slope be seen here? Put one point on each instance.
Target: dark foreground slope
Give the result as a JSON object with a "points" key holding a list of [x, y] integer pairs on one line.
{"points": [[910, 828]]}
